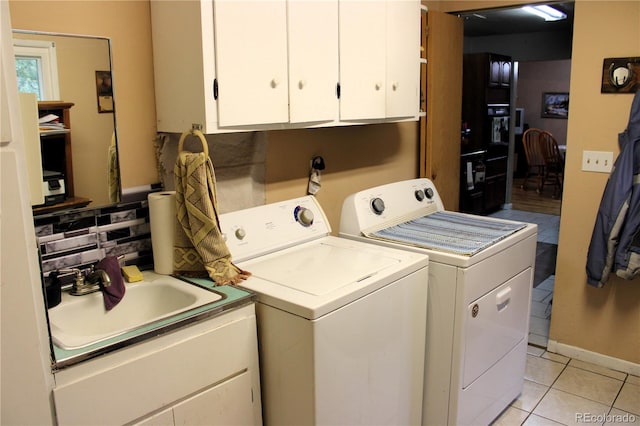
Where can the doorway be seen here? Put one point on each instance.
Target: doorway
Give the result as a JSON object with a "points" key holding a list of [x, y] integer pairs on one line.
{"points": [[541, 55]]}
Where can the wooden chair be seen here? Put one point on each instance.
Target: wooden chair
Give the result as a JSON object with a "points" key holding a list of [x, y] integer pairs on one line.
{"points": [[554, 163], [544, 160]]}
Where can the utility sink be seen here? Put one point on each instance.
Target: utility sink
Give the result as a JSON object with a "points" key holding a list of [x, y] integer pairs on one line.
{"points": [[80, 321]]}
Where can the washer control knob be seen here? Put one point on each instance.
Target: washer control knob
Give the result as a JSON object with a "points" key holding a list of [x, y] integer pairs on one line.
{"points": [[377, 205], [429, 193], [304, 216], [240, 233], [419, 194]]}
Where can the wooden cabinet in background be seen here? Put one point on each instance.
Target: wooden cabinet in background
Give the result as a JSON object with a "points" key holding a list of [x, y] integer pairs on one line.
{"points": [[499, 71], [486, 88], [55, 145], [485, 113]]}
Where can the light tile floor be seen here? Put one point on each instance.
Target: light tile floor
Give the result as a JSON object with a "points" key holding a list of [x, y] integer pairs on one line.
{"points": [[563, 391]]}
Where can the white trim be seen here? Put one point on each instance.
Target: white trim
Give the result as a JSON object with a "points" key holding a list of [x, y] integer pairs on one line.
{"points": [[45, 51], [594, 357]]}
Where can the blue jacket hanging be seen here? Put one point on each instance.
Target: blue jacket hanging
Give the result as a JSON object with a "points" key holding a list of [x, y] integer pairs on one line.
{"points": [[615, 242]]}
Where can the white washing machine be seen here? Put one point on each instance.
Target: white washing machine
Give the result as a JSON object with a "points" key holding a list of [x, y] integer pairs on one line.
{"points": [[480, 280], [341, 323]]}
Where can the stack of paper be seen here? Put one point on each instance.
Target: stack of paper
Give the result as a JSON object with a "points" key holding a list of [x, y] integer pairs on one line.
{"points": [[50, 123]]}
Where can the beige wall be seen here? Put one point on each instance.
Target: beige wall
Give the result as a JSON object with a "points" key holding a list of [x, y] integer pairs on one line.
{"points": [[128, 25], [604, 320], [536, 78], [356, 158]]}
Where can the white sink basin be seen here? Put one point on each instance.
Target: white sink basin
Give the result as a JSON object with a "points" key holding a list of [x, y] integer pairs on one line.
{"points": [[79, 321]]}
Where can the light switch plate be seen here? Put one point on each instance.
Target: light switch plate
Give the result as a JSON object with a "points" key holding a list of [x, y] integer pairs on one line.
{"points": [[597, 161]]}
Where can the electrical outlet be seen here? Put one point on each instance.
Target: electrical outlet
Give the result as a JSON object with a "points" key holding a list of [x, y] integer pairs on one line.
{"points": [[597, 161]]}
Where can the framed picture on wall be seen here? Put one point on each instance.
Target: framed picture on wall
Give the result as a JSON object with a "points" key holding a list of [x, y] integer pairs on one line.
{"points": [[555, 105], [104, 91]]}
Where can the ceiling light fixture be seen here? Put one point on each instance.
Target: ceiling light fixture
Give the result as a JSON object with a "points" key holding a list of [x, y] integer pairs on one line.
{"points": [[546, 12]]}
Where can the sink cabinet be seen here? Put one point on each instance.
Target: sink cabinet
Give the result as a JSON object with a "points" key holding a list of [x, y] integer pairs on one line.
{"points": [[222, 404], [206, 373], [255, 65]]}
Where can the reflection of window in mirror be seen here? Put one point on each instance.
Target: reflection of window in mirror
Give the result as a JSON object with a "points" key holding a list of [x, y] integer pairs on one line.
{"points": [[37, 68]]}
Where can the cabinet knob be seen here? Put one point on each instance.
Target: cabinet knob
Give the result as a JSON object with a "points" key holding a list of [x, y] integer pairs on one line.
{"points": [[274, 83], [395, 85], [378, 86], [301, 84]]}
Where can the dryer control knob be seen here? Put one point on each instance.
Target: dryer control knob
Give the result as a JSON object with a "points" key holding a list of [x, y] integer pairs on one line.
{"points": [[304, 216], [419, 194], [240, 233], [429, 193], [377, 205]]}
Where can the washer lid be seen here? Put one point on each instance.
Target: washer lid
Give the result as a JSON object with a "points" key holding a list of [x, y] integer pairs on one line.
{"points": [[322, 268], [315, 278]]}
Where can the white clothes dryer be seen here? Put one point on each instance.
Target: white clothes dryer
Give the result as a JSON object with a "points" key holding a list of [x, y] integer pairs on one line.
{"points": [[341, 323], [480, 281]]}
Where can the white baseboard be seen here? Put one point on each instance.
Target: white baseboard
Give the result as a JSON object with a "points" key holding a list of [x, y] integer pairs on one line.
{"points": [[594, 357]]}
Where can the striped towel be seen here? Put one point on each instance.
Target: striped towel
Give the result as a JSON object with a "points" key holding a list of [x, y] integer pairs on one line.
{"points": [[199, 248]]}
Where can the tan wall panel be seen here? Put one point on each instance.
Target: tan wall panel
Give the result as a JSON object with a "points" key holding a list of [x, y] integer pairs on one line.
{"points": [[605, 320], [356, 158]]}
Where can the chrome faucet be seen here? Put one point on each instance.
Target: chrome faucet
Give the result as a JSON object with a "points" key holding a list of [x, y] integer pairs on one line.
{"points": [[94, 281]]}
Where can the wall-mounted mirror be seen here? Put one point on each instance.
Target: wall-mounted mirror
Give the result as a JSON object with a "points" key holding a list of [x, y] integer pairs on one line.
{"points": [[81, 73]]}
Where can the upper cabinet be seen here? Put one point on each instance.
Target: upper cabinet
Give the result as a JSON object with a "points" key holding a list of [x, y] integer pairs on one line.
{"points": [[250, 62], [403, 59], [250, 65], [313, 61], [379, 59]]}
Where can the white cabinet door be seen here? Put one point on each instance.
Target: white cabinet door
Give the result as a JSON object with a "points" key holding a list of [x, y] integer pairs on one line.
{"points": [[183, 64], [279, 61], [403, 53], [362, 59], [229, 403], [379, 59], [32, 149], [313, 60], [163, 418], [251, 62]]}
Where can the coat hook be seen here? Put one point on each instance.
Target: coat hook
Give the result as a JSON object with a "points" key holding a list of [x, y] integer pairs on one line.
{"points": [[317, 163]]}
